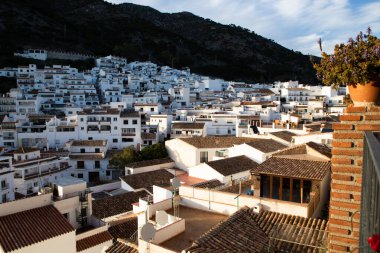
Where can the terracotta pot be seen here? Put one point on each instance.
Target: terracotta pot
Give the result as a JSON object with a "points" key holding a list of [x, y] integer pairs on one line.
{"points": [[365, 94]]}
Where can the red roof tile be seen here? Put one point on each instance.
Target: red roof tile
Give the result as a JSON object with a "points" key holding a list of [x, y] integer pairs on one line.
{"points": [[25, 228], [94, 240]]}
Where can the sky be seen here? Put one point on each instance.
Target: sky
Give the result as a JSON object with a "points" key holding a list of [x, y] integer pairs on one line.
{"points": [[295, 24]]}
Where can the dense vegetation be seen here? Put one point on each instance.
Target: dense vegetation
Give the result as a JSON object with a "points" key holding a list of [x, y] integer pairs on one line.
{"points": [[142, 33], [130, 155]]}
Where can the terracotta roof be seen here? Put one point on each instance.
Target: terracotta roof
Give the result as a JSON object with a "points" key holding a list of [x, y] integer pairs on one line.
{"points": [[232, 165], [296, 168], [149, 162], [25, 228], [322, 149], [258, 103], [208, 184], [129, 113], [110, 111], [285, 135], [122, 247], [86, 157], [215, 141], [303, 150], [148, 179], [89, 143], [148, 136], [114, 205], [93, 240], [124, 230], [247, 231], [188, 125], [23, 150], [266, 145]]}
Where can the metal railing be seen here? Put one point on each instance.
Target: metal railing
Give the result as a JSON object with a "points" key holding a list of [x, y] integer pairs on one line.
{"points": [[370, 204]]}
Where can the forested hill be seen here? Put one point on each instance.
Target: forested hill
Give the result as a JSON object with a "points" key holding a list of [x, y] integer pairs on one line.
{"points": [[142, 33]]}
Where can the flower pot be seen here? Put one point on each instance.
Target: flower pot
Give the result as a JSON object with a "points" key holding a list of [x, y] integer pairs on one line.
{"points": [[365, 94]]}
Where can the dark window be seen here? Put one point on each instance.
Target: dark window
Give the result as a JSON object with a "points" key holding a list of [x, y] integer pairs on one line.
{"points": [[276, 188], [286, 189], [134, 122], [306, 191], [80, 175], [97, 164], [125, 122], [296, 195], [152, 109], [204, 157], [97, 150], [82, 150], [108, 173], [80, 165], [114, 140], [265, 186], [127, 140]]}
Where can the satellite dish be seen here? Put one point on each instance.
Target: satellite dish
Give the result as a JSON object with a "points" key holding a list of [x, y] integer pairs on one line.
{"points": [[175, 182], [147, 232], [161, 218]]}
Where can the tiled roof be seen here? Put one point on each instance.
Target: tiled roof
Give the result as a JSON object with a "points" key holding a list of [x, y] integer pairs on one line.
{"points": [[215, 141], [247, 231], [285, 135], [25, 228], [296, 168], [149, 162], [89, 143], [322, 149], [86, 157], [188, 125], [124, 230], [23, 150], [148, 179], [129, 113], [93, 240], [122, 247], [208, 184], [303, 150], [232, 165], [114, 205], [148, 136], [266, 145], [111, 111]]}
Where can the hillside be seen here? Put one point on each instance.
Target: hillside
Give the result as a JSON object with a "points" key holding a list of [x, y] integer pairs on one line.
{"points": [[142, 33]]}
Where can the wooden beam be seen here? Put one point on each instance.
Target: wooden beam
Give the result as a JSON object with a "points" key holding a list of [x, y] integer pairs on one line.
{"points": [[280, 193], [270, 186], [291, 190], [301, 191]]}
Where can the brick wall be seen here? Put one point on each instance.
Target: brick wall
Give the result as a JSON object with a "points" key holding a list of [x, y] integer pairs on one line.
{"points": [[346, 176]]}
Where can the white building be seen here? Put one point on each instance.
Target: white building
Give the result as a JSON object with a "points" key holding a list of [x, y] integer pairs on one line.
{"points": [[6, 180]]}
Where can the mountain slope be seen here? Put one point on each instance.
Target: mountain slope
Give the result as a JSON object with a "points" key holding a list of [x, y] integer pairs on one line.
{"points": [[142, 33]]}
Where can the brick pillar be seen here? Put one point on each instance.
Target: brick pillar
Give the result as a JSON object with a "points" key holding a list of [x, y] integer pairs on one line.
{"points": [[346, 176]]}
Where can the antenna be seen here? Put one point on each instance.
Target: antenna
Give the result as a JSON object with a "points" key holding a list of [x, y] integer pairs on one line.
{"points": [[148, 232], [176, 183], [161, 218]]}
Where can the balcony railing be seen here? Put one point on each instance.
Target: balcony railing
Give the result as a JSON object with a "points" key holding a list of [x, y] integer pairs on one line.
{"points": [[370, 205], [46, 172]]}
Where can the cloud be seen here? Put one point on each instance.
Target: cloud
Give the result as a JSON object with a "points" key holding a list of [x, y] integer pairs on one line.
{"points": [[295, 24]]}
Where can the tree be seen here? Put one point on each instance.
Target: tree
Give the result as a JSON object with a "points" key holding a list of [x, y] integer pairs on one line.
{"points": [[154, 151], [129, 155]]}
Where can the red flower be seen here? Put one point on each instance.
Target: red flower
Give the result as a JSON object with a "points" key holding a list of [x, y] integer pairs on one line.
{"points": [[374, 242]]}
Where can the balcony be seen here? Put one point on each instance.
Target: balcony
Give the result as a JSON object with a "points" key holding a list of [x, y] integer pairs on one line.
{"points": [[44, 173]]}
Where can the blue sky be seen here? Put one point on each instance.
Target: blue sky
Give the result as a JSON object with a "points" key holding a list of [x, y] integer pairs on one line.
{"points": [[295, 24]]}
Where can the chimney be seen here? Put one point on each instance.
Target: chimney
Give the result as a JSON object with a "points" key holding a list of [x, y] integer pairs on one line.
{"points": [[346, 176]]}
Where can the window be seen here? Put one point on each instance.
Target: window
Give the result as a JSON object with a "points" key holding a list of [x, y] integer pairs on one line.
{"points": [[127, 140], [80, 165], [4, 198], [115, 119], [115, 128], [134, 122], [90, 138], [204, 156], [114, 140], [3, 184], [97, 164], [35, 184], [125, 122], [152, 109], [66, 215], [82, 150], [97, 150], [108, 173], [80, 175], [82, 128], [81, 119]]}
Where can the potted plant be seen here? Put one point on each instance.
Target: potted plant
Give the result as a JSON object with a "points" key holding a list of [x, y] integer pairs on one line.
{"points": [[356, 64]]}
